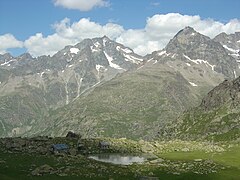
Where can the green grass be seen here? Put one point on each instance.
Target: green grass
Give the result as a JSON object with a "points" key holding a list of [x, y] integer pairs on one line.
{"points": [[230, 159], [188, 156]]}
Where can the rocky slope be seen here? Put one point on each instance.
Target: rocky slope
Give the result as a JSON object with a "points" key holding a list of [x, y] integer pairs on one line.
{"points": [[217, 118]]}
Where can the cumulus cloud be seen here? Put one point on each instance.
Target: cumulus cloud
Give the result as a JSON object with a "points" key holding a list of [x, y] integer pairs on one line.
{"points": [[159, 29], [85, 28], [8, 41], [82, 5], [38, 45]]}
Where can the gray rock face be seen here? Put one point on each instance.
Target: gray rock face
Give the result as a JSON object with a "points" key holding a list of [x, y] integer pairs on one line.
{"points": [[226, 93], [231, 42]]}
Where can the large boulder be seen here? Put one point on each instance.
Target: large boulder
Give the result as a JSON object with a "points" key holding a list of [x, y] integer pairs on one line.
{"points": [[71, 134]]}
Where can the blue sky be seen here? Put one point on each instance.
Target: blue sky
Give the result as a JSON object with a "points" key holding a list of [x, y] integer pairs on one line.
{"points": [[23, 19]]}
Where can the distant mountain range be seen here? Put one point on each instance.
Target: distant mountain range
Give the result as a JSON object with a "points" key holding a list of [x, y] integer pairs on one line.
{"points": [[102, 88]]}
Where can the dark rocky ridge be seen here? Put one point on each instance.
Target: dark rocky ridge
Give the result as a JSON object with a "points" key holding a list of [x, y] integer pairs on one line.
{"points": [[217, 118], [227, 92]]}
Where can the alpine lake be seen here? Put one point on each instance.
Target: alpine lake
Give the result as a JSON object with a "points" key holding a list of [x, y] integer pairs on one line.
{"points": [[118, 158]]}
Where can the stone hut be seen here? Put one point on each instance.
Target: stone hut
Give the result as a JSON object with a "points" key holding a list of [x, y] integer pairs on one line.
{"points": [[104, 145]]}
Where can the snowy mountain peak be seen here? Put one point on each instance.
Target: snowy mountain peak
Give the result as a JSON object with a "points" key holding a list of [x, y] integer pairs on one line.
{"points": [[186, 32]]}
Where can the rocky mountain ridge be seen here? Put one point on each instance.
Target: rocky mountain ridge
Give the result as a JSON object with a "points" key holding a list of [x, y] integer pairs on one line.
{"points": [[144, 102]]}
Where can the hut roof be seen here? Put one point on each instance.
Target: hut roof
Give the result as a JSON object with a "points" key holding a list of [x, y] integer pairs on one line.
{"points": [[60, 146]]}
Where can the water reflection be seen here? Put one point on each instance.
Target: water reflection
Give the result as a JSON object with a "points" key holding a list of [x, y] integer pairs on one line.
{"points": [[124, 159]]}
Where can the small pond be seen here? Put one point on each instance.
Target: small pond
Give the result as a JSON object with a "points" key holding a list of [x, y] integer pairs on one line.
{"points": [[123, 159]]}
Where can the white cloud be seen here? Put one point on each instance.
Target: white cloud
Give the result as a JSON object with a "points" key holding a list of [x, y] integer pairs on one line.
{"points": [[85, 28], [8, 41], [38, 45], [82, 5], [159, 29]]}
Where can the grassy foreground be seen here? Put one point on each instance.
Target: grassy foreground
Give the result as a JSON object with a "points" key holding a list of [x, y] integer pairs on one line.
{"points": [[173, 160]]}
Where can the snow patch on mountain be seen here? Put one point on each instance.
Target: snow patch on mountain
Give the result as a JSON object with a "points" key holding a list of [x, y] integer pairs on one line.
{"points": [[193, 84], [97, 44], [157, 61], [98, 67], [7, 62], [104, 41], [93, 49], [161, 53], [111, 64], [133, 59], [125, 50], [230, 49], [164, 53], [200, 61], [235, 75], [74, 50], [150, 60], [42, 74]]}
